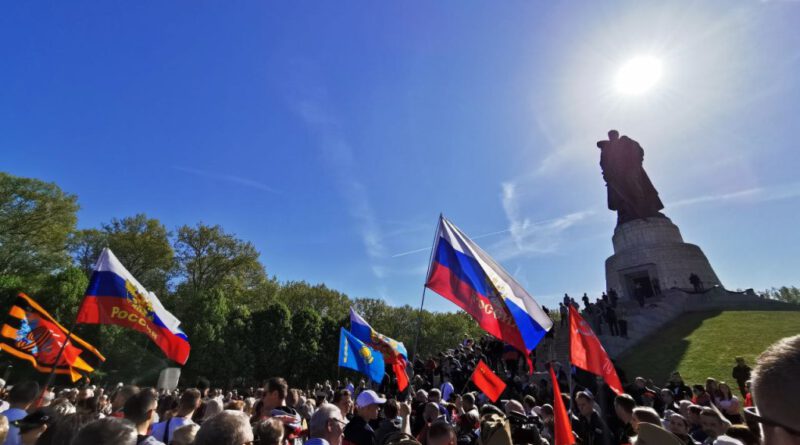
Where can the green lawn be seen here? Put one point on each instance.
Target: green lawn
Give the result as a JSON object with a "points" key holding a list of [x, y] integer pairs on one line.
{"points": [[704, 344]]}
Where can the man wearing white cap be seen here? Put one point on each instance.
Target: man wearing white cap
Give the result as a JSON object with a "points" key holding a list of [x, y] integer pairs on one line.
{"points": [[358, 431]]}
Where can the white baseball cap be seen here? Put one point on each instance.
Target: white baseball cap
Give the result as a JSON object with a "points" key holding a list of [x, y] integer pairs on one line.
{"points": [[368, 397]]}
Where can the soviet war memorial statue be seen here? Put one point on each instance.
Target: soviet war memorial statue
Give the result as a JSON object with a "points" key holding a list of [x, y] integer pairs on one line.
{"points": [[630, 192], [650, 255]]}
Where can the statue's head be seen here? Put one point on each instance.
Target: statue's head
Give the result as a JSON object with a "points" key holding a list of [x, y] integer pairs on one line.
{"points": [[613, 135]]}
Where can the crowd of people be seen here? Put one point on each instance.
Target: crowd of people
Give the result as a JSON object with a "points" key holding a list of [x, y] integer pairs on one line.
{"points": [[440, 407]]}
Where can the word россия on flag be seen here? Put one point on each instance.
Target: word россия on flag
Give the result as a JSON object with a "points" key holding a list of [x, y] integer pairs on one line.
{"points": [[356, 355], [464, 274], [115, 297]]}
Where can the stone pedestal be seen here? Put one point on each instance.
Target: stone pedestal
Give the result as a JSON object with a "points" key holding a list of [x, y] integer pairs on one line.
{"points": [[651, 252]]}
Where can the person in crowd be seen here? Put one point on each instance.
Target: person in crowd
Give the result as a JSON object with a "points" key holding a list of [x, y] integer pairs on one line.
{"points": [[714, 425], [268, 432], [441, 433], [343, 399], [644, 414], [563, 312], [695, 423], [226, 428], [34, 424], [700, 396], [741, 374], [430, 414], [358, 431], [637, 390], [679, 426], [678, 388], [468, 404], [589, 425], [274, 405], [667, 403], [20, 398], [106, 431], [326, 426], [446, 388], [623, 407], [188, 403], [391, 422], [140, 409], [775, 389], [466, 431], [728, 404], [185, 435], [120, 397]]}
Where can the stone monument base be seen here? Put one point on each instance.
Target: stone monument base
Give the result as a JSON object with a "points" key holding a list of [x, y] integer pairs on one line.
{"points": [[650, 256]]}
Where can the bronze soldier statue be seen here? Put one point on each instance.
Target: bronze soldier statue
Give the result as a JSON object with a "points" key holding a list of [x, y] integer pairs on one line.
{"points": [[630, 191]]}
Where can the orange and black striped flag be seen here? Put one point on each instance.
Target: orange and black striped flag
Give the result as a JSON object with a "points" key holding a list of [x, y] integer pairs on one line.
{"points": [[31, 334]]}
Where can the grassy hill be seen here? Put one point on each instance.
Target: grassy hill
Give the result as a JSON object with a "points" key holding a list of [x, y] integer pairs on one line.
{"points": [[704, 344]]}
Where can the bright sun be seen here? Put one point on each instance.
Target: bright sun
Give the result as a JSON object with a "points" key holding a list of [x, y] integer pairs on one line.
{"points": [[638, 75]]}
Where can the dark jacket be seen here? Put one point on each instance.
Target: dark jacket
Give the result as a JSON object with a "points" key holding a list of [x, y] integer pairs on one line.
{"points": [[358, 432]]}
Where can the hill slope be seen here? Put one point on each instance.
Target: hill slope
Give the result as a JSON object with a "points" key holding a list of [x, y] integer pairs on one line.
{"points": [[704, 344]]}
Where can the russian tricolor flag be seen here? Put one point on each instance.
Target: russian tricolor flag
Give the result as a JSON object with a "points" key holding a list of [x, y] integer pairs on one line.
{"points": [[115, 297], [466, 275]]}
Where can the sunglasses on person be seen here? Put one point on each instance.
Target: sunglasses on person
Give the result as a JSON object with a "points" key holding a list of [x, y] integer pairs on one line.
{"points": [[751, 413]]}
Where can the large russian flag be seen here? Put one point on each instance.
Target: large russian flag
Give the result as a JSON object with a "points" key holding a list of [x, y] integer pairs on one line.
{"points": [[115, 297], [466, 275]]}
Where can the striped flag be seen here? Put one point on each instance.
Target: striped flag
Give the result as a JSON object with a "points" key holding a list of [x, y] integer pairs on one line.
{"points": [[466, 275], [32, 334]]}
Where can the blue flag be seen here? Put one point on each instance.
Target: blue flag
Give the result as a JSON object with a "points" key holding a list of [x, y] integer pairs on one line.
{"points": [[354, 354]]}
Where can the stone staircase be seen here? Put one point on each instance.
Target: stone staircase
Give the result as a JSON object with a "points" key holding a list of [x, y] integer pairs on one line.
{"points": [[657, 313]]}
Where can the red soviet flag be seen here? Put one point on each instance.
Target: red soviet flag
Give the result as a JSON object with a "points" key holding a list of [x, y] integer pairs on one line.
{"points": [[487, 381], [587, 353], [563, 430]]}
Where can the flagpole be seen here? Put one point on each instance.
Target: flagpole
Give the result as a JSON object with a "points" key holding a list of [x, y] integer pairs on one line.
{"points": [[52, 374], [425, 288], [569, 360]]}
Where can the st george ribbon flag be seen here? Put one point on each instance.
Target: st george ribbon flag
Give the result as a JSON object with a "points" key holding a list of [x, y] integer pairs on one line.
{"points": [[562, 426], [31, 333], [356, 355], [394, 352], [115, 297], [487, 381], [587, 353], [466, 275]]}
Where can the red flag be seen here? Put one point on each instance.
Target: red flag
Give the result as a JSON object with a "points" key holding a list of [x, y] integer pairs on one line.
{"points": [[487, 381], [587, 353], [399, 367], [563, 430]]}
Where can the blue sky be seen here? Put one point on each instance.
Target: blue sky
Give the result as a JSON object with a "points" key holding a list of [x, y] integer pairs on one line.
{"points": [[332, 134]]}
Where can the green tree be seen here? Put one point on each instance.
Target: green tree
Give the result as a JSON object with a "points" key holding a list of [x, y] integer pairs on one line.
{"points": [[304, 346], [62, 294], [327, 302], [208, 257], [36, 219], [142, 245], [271, 331], [785, 293]]}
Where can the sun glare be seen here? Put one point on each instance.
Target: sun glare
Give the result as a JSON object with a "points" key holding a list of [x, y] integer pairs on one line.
{"points": [[638, 75]]}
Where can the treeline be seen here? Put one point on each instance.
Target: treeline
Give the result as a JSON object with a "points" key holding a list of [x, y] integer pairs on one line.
{"points": [[244, 325]]}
